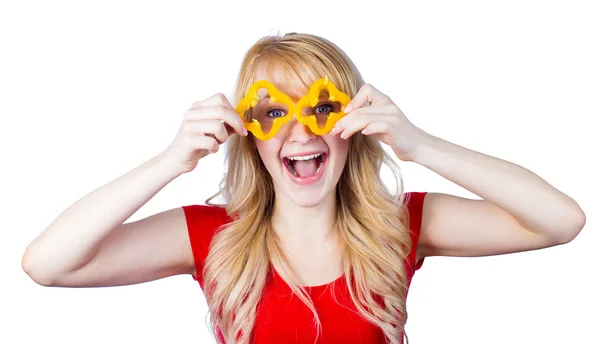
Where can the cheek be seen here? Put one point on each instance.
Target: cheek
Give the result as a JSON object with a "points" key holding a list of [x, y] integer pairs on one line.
{"points": [[268, 151], [340, 148], [339, 145]]}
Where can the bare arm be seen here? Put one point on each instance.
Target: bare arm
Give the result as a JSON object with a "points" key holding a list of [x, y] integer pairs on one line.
{"points": [[88, 244], [76, 235], [519, 211]]}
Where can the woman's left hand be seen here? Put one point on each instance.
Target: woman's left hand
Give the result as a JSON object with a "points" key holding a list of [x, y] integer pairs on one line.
{"points": [[383, 119]]}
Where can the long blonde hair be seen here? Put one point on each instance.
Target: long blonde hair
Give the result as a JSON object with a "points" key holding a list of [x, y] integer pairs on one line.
{"points": [[376, 242]]}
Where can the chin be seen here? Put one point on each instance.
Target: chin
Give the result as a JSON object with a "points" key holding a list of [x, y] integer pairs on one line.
{"points": [[308, 198]]}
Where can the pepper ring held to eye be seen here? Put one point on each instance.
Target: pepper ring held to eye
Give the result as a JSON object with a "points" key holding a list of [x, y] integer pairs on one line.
{"points": [[258, 113]]}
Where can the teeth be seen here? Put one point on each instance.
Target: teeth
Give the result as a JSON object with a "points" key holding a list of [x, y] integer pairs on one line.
{"points": [[291, 167], [306, 157], [319, 168]]}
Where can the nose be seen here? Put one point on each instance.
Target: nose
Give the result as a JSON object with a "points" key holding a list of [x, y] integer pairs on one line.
{"points": [[298, 132]]}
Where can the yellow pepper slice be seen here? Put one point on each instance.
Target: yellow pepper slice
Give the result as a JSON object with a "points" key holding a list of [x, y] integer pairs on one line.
{"points": [[310, 99]]}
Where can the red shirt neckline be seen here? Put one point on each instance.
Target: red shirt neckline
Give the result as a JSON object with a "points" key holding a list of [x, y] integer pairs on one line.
{"points": [[320, 287]]}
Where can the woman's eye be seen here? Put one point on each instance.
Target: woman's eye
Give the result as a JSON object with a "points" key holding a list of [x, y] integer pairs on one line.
{"points": [[276, 113], [323, 108]]}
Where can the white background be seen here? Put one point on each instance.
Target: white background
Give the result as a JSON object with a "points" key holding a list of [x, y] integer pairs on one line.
{"points": [[90, 91]]}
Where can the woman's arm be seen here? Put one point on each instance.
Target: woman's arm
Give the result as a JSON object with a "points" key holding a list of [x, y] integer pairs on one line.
{"points": [[81, 247], [519, 211], [75, 236]]}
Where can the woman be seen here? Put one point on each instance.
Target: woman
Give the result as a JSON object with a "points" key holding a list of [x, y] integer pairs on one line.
{"points": [[311, 246]]}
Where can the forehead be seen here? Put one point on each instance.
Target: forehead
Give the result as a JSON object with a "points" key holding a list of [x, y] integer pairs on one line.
{"points": [[282, 81]]}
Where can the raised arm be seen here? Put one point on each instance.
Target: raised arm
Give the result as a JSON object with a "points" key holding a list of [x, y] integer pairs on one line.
{"points": [[89, 244], [93, 227], [519, 211]]}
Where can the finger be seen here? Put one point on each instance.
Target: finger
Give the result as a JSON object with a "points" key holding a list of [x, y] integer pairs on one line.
{"points": [[360, 123], [215, 99], [223, 113], [366, 94], [378, 127], [230, 130], [213, 128], [356, 115], [234, 123], [205, 142]]}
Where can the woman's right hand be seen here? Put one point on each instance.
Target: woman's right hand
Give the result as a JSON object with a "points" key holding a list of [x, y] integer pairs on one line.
{"points": [[206, 125]]}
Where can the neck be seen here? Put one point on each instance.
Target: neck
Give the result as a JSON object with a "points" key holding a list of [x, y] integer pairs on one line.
{"points": [[304, 226]]}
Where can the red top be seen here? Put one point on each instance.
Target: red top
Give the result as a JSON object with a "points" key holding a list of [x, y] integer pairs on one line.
{"points": [[281, 316]]}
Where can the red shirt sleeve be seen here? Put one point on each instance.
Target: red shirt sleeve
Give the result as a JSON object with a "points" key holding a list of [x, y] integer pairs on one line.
{"points": [[202, 222], [414, 203]]}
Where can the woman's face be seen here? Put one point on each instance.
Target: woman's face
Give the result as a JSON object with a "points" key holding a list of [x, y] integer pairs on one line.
{"points": [[304, 166]]}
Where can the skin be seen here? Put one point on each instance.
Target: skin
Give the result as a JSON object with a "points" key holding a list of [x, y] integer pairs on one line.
{"points": [[519, 211], [303, 214]]}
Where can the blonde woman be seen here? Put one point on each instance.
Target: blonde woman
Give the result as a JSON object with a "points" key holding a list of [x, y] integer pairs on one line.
{"points": [[311, 246]]}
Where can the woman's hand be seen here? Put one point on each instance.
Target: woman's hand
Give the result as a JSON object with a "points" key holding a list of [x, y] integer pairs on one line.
{"points": [[205, 126], [383, 119]]}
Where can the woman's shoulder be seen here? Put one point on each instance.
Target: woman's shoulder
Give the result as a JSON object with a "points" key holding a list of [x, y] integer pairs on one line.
{"points": [[203, 215], [413, 198], [414, 203], [202, 222]]}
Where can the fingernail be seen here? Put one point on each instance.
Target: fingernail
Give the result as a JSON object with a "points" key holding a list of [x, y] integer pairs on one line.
{"points": [[333, 131], [348, 108], [245, 132]]}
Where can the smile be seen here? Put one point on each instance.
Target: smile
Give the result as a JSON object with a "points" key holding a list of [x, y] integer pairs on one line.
{"points": [[305, 169]]}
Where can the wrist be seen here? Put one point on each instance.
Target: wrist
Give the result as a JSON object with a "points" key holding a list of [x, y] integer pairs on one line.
{"points": [[166, 165], [426, 143]]}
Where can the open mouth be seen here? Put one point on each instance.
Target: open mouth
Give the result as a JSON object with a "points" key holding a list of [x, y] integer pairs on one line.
{"points": [[305, 166]]}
